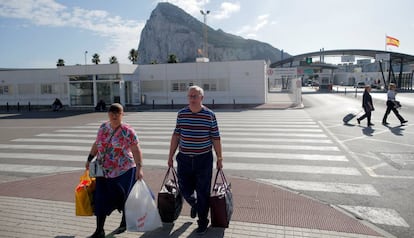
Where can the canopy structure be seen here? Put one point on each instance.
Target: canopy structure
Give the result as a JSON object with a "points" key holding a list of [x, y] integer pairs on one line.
{"points": [[394, 58]]}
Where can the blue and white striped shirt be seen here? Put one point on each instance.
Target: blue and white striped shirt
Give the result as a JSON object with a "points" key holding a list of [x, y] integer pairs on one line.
{"points": [[196, 131]]}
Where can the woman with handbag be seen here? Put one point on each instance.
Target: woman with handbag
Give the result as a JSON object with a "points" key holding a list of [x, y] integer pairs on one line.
{"points": [[118, 152], [392, 105]]}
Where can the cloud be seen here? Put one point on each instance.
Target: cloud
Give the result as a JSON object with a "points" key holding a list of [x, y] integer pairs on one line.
{"points": [[226, 10], [251, 31], [122, 34], [192, 7]]}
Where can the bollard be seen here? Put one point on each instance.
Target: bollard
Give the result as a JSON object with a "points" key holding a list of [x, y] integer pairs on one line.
{"points": [[153, 104], [212, 105], [356, 92], [172, 103], [7, 106], [18, 106], [345, 91], [29, 107], [234, 103]]}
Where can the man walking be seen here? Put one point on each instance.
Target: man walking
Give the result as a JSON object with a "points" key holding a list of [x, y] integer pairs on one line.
{"points": [[195, 134]]}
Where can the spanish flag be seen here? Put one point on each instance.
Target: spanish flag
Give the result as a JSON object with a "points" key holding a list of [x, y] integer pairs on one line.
{"points": [[392, 41]]}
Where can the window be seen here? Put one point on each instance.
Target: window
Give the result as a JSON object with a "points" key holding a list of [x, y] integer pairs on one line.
{"points": [[46, 89], [175, 87], [210, 84], [4, 90], [108, 77], [183, 87], [26, 89], [213, 87], [74, 78], [180, 86], [152, 86]]}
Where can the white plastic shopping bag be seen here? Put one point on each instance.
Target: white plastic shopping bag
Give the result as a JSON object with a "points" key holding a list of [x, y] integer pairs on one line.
{"points": [[141, 212]]}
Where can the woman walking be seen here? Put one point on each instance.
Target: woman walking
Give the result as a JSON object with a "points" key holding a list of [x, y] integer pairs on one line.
{"points": [[392, 105], [367, 105], [117, 146]]}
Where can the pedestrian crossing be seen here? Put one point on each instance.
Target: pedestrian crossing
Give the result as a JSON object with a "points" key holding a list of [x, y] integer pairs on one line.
{"points": [[282, 147]]}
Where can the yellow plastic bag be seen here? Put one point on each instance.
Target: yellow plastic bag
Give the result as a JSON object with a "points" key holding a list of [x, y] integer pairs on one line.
{"points": [[84, 195]]}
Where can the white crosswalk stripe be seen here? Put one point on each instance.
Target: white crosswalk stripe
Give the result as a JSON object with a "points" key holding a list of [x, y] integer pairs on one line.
{"points": [[283, 144], [378, 215], [361, 189], [35, 168]]}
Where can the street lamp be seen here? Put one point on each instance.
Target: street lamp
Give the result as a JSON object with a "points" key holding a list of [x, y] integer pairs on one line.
{"points": [[205, 13], [86, 52]]}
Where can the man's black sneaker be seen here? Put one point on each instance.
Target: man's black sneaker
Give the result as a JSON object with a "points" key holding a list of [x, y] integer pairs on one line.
{"points": [[201, 230], [119, 230], [202, 227], [405, 121], [98, 234]]}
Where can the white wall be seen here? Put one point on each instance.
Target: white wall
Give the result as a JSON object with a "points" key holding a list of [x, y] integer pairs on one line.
{"points": [[242, 81], [25, 86]]}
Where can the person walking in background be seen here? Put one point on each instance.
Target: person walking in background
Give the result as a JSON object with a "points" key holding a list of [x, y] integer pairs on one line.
{"points": [[117, 145], [57, 105], [101, 106], [195, 134], [392, 105], [367, 105]]}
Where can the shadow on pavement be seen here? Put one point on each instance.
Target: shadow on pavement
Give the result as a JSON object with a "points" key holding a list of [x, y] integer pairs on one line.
{"points": [[396, 130], [368, 131]]}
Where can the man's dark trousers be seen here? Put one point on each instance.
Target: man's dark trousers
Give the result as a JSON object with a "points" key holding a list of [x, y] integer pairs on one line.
{"points": [[194, 174]]}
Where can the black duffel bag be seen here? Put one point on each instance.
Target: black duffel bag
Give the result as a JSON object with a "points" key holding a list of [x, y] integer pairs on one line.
{"points": [[170, 200]]}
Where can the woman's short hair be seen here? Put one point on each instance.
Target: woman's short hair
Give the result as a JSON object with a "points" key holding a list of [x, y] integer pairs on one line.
{"points": [[116, 108]]}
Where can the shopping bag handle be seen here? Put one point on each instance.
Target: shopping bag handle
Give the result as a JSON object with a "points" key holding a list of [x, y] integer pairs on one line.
{"points": [[175, 179], [223, 178]]}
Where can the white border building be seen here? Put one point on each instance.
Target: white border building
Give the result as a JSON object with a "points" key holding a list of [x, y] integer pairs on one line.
{"points": [[233, 82]]}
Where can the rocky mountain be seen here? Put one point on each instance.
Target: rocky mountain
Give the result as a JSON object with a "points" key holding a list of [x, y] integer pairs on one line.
{"points": [[170, 30]]}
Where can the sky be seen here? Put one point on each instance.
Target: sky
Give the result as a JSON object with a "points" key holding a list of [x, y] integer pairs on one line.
{"points": [[36, 33]]}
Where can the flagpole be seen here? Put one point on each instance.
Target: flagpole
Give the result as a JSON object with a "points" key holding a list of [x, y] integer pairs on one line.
{"points": [[385, 41]]}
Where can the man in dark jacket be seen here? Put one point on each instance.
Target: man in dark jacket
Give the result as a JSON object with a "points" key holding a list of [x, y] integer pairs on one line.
{"points": [[367, 105]]}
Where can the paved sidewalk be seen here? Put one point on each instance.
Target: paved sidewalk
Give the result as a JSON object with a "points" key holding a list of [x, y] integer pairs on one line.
{"points": [[44, 207]]}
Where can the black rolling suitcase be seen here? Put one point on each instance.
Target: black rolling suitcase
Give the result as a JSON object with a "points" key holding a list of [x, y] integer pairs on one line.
{"points": [[350, 116]]}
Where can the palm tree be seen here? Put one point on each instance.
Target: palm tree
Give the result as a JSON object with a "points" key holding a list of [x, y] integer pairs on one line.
{"points": [[172, 59], [133, 56], [95, 59], [60, 62], [113, 60]]}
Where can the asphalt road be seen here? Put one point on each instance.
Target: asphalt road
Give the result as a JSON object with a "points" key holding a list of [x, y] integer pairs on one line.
{"points": [[384, 153], [366, 171]]}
